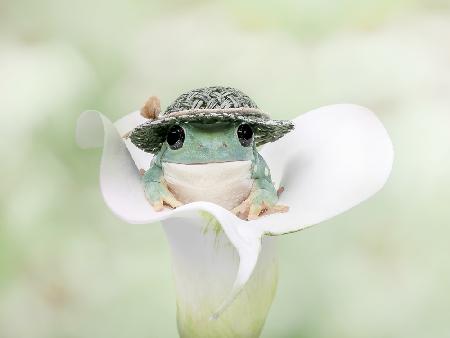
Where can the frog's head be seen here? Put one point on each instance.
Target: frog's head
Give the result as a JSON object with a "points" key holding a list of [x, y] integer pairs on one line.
{"points": [[190, 143], [207, 125]]}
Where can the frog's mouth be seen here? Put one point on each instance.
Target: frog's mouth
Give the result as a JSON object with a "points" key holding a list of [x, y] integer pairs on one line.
{"points": [[224, 183]]}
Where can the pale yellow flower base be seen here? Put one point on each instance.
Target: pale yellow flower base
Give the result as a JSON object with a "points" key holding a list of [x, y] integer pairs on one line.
{"points": [[205, 266]]}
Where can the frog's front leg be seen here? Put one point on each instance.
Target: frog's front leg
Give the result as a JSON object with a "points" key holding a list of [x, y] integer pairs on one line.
{"points": [[155, 187], [263, 197]]}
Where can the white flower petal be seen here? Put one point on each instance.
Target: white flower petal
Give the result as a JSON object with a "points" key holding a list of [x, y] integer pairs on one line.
{"points": [[336, 157], [125, 125], [119, 178]]}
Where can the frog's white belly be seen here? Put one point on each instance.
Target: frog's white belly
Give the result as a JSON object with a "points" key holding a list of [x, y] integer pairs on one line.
{"points": [[226, 183]]}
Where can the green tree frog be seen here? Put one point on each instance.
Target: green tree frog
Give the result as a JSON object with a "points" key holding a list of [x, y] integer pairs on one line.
{"points": [[211, 157]]}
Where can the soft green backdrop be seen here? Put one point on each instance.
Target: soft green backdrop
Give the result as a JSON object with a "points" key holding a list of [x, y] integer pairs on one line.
{"points": [[70, 269]]}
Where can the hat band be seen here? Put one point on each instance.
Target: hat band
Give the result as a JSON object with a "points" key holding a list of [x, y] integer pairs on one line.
{"points": [[242, 110]]}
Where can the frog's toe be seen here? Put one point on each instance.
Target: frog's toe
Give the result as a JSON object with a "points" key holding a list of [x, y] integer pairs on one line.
{"points": [[164, 199], [158, 205], [255, 211], [171, 201], [276, 209], [167, 196]]}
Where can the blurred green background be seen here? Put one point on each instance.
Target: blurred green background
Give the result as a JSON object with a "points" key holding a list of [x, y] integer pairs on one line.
{"points": [[69, 268]]}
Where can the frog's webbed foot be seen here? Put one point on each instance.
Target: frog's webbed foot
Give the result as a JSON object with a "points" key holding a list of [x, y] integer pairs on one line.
{"points": [[158, 194], [259, 202]]}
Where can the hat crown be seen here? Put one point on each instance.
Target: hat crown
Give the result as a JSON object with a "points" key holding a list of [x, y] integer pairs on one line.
{"points": [[216, 97]]}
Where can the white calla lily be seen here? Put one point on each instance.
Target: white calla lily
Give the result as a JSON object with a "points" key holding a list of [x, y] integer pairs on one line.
{"points": [[336, 157]]}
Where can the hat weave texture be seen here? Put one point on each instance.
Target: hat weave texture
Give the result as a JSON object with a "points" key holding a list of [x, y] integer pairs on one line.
{"points": [[211, 98]]}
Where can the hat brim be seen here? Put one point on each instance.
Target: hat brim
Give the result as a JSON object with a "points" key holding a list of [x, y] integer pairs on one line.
{"points": [[151, 135]]}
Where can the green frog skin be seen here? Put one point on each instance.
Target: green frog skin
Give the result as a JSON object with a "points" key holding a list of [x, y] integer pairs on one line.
{"points": [[214, 162]]}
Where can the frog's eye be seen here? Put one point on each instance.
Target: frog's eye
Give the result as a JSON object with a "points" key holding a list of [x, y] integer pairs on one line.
{"points": [[175, 137], [245, 134]]}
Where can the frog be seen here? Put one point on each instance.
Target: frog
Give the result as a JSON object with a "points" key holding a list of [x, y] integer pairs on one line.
{"points": [[213, 159]]}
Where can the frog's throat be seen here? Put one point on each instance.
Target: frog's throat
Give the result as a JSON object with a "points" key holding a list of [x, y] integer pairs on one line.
{"points": [[224, 183]]}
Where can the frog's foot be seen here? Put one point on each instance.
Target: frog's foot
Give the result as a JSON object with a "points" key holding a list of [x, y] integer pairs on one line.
{"points": [[168, 200], [160, 195], [259, 202], [275, 209], [264, 208]]}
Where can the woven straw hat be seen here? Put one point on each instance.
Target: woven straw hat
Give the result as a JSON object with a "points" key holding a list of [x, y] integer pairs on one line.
{"points": [[206, 105]]}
